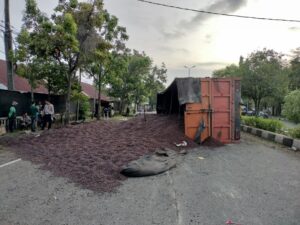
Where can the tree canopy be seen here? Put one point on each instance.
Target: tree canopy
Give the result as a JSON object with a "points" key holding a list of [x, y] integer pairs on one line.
{"points": [[85, 36], [264, 77], [291, 108]]}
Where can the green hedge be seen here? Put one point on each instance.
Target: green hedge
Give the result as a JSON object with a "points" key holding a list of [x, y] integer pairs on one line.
{"points": [[265, 124], [294, 132]]}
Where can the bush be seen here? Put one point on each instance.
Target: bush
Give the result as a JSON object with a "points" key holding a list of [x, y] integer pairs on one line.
{"points": [[291, 107], [295, 132], [84, 104], [264, 124]]}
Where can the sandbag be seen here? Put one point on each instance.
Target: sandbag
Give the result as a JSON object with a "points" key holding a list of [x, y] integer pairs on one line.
{"points": [[151, 164]]}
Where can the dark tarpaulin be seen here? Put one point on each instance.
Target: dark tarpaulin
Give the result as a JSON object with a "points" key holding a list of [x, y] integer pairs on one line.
{"points": [[151, 164], [188, 90], [180, 92]]}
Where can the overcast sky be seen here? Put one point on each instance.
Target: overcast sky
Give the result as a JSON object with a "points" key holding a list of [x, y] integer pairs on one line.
{"points": [[181, 38]]}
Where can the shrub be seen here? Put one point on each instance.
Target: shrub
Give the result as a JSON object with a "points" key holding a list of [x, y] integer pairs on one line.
{"points": [[291, 107], [265, 124], [295, 132], [84, 104]]}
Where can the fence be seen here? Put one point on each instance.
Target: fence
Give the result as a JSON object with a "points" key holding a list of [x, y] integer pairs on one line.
{"points": [[24, 102]]}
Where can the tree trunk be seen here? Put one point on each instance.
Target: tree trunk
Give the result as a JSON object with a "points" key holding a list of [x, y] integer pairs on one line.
{"points": [[136, 105], [49, 88], [99, 98], [256, 105], [121, 109], [31, 93], [279, 110], [8, 47], [68, 100], [78, 103]]}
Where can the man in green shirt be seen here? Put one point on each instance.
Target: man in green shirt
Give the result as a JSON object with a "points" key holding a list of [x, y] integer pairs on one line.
{"points": [[34, 110], [12, 114]]}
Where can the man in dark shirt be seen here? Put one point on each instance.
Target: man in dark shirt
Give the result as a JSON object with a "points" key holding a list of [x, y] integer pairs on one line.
{"points": [[34, 111]]}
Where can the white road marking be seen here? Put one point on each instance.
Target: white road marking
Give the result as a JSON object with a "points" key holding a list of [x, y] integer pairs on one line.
{"points": [[9, 163]]}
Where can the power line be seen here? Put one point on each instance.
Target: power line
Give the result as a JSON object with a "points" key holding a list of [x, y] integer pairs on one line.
{"points": [[12, 28], [2, 21], [219, 14], [13, 31]]}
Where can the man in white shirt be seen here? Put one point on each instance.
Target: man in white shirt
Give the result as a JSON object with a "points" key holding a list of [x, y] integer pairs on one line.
{"points": [[48, 114]]}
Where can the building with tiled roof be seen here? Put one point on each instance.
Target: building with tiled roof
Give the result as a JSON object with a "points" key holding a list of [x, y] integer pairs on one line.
{"points": [[22, 85]]}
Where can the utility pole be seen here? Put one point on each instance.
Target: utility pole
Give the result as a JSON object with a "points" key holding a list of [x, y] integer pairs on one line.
{"points": [[8, 47]]}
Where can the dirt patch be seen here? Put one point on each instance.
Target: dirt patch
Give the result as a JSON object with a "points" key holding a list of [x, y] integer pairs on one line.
{"points": [[92, 154], [212, 142]]}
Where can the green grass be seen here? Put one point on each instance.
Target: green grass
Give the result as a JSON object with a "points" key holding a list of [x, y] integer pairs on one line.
{"points": [[120, 118]]}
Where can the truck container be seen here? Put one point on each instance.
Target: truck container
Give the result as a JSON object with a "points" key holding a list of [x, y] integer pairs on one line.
{"points": [[212, 110]]}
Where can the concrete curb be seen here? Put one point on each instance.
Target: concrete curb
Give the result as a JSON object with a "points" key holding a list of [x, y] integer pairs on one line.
{"points": [[294, 144]]}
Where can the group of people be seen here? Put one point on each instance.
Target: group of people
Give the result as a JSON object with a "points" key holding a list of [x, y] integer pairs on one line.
{"points": [[107, 111], [39, 114]]}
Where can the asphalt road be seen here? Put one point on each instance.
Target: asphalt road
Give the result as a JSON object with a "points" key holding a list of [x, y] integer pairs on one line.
{"points": [[251, 183]]}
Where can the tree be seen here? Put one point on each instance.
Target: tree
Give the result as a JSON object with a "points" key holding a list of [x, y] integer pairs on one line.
{"points": [[259, 71], [138, 71], [29, 66], [95, 29], [281, 89], [155, 83], [118, 69], [24, 54], [68, 37], [291, 107], [294, 74], [131, 70], [84, 104], [53, 75], [229, 71], [97, 60], [42, 39]]}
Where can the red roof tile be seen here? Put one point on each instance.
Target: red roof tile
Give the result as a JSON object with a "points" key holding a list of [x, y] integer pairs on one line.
{"points": [[92, 91], [21, 84]]}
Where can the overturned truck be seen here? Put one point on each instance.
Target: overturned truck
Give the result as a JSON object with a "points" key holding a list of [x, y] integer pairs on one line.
{"points": [[209, 107]]}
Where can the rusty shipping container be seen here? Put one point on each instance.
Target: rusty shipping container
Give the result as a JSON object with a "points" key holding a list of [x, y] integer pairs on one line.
{"points": [[213, 112]]}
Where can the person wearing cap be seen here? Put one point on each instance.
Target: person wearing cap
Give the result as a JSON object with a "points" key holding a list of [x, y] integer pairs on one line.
{"points": [[12, 114]]}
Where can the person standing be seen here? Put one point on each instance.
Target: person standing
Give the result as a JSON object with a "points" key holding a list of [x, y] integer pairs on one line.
{"points": [[12, 114], [105, 112], [48, 114], [34, 111], [40, 122]]}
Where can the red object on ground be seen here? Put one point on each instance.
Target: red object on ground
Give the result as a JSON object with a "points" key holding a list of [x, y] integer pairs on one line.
{"points": [[92, 154], [230, 222]]}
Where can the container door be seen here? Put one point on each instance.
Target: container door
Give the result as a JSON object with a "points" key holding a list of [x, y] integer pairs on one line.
{"points": [[197, 125], [221, 102], [197, 115], [205, 97]]}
